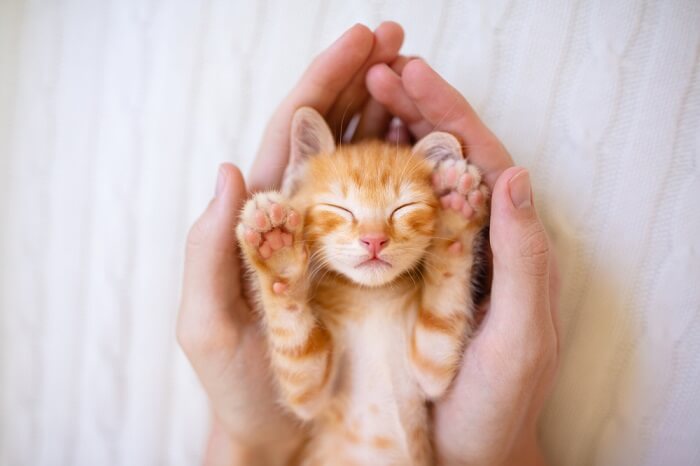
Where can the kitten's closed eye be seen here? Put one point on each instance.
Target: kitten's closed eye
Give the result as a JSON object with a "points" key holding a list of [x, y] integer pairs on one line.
{"points": [[339, 210], [404, 209]]}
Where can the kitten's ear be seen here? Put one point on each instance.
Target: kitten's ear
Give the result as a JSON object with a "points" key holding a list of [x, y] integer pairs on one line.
{"points": [[310, 135], [438, 146]]}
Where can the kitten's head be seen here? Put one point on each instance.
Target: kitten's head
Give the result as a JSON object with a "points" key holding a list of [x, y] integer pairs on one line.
{"points": [[369, 207]]}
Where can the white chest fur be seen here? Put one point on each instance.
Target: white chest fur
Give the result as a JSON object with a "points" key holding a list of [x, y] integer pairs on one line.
{"points": [[383, 407]]}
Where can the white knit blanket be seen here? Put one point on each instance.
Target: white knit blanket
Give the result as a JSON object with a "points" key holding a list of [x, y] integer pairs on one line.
{"points": [[114, 115]]}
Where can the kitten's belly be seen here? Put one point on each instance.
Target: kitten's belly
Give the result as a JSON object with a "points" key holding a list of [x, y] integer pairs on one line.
{"points": [[380, 414]]}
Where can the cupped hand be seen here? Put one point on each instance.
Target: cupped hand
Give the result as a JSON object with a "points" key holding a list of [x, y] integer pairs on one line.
{"points": [[489, 416], [216, 327], [334, 85]]}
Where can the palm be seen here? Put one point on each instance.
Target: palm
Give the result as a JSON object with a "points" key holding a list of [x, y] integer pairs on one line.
{"points": [[241, 387]]}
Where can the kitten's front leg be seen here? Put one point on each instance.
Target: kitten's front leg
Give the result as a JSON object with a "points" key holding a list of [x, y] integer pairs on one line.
{"points": [[270, 235], [445, 317]]}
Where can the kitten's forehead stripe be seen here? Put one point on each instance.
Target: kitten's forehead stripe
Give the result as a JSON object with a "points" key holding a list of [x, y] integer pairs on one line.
{"points": [[371, 174]]}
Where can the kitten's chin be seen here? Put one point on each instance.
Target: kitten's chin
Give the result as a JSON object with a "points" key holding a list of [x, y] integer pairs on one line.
{"points": [[371, 274]]}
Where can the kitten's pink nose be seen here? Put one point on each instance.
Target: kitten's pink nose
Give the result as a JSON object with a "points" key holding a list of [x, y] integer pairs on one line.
{"points": [[374, 242]]}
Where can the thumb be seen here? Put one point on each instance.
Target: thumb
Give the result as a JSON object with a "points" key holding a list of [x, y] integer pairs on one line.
{"points": [[520, 291], [211, 284], [211, 243]]}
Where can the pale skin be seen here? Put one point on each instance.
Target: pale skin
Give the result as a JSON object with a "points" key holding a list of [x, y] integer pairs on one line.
{"points": [[489, 415]]}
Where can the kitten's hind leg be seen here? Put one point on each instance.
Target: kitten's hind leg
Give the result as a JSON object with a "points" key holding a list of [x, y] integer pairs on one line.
{"points": [[445, 318], [270, 235]]}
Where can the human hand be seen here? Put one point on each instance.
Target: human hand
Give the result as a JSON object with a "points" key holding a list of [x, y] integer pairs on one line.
{"points": [[216, 328], [334, 85], [489, 416]]}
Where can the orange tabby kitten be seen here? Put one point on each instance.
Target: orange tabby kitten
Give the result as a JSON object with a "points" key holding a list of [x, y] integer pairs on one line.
{"points": [[362, 267]]}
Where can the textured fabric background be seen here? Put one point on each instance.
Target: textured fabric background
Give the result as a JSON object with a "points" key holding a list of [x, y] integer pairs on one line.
{"points": [[114, 116]]}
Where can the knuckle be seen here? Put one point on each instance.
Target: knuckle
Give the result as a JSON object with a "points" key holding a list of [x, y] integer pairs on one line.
{"points": [[534, 250]]}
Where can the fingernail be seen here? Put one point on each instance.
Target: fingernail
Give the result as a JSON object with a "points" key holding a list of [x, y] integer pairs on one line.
{"points": [[220, 181], [519, 187]]}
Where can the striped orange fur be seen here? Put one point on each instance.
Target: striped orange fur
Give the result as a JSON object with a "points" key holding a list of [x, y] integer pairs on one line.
{"points": [[361, 265]]}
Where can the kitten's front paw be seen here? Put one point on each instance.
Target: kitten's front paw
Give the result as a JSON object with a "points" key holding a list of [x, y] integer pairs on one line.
{"points": [[269, 232], [459, 187], [463, 196]]}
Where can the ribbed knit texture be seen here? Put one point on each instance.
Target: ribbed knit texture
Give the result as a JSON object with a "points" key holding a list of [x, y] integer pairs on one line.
{"points": [[114, 115]]}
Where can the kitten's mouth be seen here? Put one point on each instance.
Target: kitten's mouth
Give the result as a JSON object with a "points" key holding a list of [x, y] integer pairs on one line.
{"points": [[373, 262]]}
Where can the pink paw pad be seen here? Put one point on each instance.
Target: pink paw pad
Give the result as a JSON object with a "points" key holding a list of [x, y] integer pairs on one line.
{"points": [[476, 198], [265, 251], [274, 239], [467, 210], [277, 214], [268, 225], [455, 248], [279, 287], [450, 176], [292, 220], [465, 183], [261, 220], [253, 237], [457, 184]]}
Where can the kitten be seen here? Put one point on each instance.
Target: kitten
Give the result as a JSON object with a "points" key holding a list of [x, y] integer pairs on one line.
{"points": [[362, 268]]}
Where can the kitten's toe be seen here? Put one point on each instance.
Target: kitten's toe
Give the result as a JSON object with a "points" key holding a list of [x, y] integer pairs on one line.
{"points": [[465, 183], [467, 211], [293, 220], [254, 218], [252, 237], [268, 224], [278, 214], [476, 198], [459, 187]]}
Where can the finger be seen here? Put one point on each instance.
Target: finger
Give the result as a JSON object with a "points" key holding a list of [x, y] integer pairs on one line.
{"points": [[385, 86], [447, 110], [212, 273], [520, 312], [398, 133], [318, 87], [375, 119], [400, 62], [388, 38]]}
